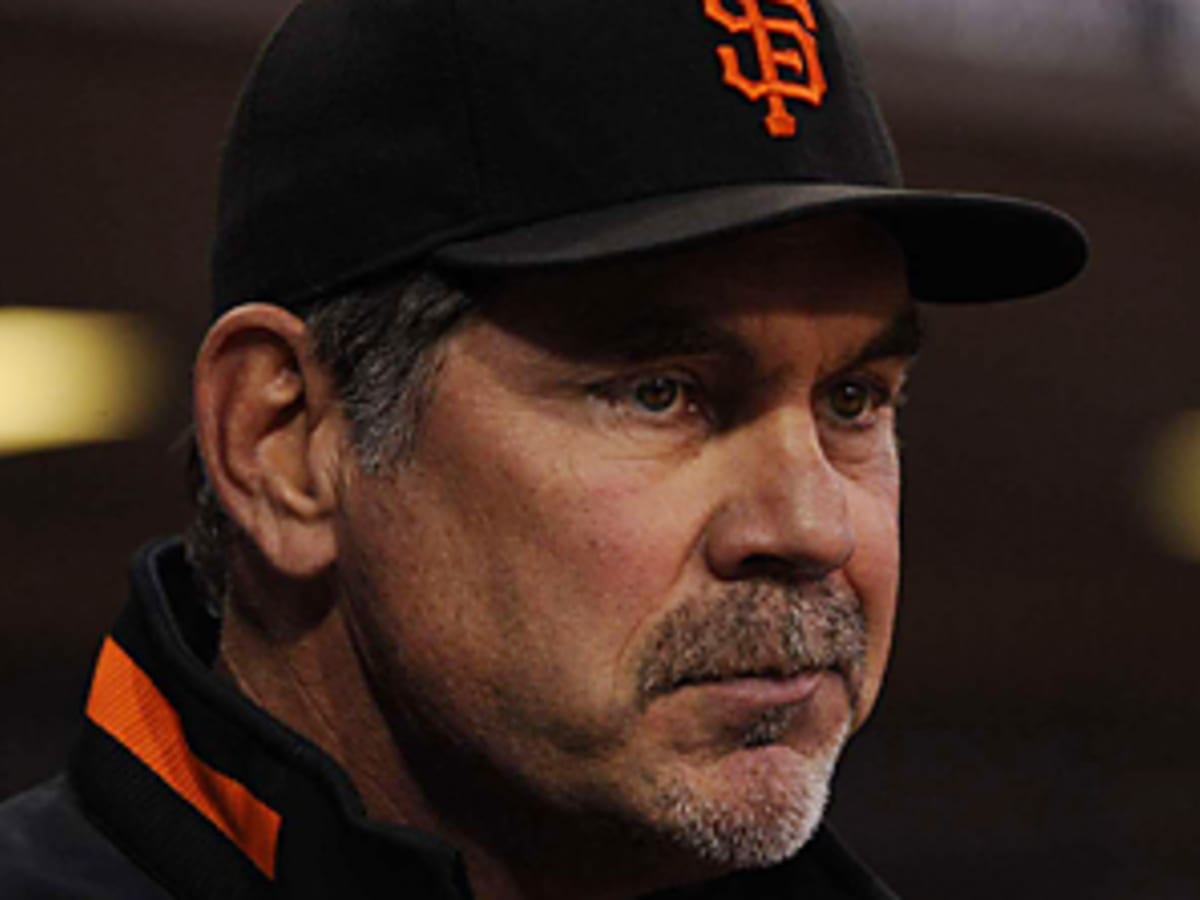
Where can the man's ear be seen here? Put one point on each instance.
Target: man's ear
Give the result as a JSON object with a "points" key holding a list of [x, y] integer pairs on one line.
{"points": [[270, 434]]}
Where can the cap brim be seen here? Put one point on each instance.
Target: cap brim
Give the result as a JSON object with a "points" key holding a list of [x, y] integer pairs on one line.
{"points": [[959, 247]]}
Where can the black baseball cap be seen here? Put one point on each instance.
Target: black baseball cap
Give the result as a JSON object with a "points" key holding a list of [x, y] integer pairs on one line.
{"points": [[374, 135]]}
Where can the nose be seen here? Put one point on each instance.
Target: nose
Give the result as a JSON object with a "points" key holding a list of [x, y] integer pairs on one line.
{"points": [[785, 510]]}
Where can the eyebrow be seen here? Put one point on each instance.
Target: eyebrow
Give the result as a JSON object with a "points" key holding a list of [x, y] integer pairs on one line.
{"points": [[901, 338], [663, 333], [660, 334]]}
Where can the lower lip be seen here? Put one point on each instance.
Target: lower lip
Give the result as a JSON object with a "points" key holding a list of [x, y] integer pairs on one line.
{"points": [[764, 692]]}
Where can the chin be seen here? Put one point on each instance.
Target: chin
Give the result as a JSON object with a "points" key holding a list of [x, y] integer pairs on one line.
{"points": [[751, 808]]}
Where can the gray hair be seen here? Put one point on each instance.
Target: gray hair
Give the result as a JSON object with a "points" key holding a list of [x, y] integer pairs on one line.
{"points": [[380, 346]]}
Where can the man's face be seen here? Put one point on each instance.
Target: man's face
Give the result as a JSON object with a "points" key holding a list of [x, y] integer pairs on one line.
{"points": [[642, 563]]}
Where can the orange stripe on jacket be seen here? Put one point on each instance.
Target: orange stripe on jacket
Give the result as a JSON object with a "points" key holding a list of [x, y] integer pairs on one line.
{"points": [[126, 704]]}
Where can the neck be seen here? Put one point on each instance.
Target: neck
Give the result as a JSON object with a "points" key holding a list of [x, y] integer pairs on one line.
{"points": [[314, 681]]}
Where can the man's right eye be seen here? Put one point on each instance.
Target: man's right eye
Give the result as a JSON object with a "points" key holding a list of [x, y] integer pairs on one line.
{"points": [[658, 395], [661, 399]]}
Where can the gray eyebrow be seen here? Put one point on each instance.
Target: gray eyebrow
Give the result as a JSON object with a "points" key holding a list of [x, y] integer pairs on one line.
{"points": [[665, 333], [901, 338], [660, 333]]}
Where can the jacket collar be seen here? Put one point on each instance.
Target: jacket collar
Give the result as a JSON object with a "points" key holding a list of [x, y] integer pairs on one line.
{"points": [[210, 794], [217, 800]]}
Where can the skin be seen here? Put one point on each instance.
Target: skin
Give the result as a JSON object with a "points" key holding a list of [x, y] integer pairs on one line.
{"points": [[636, 582]]}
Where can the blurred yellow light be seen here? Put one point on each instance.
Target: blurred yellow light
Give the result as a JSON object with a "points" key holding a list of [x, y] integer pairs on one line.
{"points": [[69, 377], [1172, 486]]}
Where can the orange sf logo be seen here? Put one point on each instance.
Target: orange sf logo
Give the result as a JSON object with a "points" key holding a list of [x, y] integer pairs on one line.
{"points": [[803, 60]]}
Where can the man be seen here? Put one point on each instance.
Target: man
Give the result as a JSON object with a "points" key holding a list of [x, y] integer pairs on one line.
{"points": [[548, 485]]}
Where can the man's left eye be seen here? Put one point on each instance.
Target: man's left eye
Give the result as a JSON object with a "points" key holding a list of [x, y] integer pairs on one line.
{"points": [[854, 401]]}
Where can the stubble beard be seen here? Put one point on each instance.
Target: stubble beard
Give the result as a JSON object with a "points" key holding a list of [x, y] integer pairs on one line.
{"points": [[782, 787], [767, 822]]}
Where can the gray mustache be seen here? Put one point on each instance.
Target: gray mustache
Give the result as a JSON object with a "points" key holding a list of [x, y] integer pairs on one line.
{"points": [[757, 628]]}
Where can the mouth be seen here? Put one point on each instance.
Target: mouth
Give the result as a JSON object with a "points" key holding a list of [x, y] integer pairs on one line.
{"points": [[760, 709], [760, 687], [762, 641], [766, 673], [752, 687], [760, 673]]}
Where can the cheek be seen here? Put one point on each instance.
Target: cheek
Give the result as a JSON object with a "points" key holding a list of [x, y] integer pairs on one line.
{"points": [[590, 539], [567, 555], [594, 557], [617, 544]]}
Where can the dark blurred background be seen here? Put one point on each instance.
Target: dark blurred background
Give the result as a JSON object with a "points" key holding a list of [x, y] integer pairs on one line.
{"points": [[1038, 735]]}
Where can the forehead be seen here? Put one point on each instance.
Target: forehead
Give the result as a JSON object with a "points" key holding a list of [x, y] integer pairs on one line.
{"points": [[832, 267]]}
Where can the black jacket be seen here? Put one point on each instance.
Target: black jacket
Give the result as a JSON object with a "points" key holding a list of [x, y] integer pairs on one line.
{"points": [[179, 787]]}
